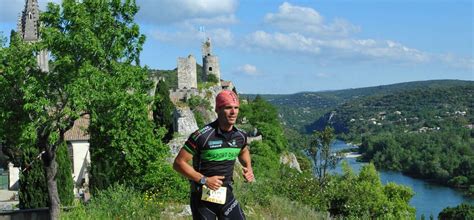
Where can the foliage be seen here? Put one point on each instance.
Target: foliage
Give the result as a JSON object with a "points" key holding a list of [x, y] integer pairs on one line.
{"points": [[336, 195], [353, 195], [64, 178], [419, 128], [163, 109], [301, 111], [263, 116], [95, 47], [265, 161], [320, 153], [117, 202], [199, 106], [165, 184], [212, 79], [32, 192], [462, 211], [443, 157], [34, 113]]}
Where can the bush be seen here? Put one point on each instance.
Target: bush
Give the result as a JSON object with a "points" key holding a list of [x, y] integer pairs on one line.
{"points": [[164, 184], [116, 202], [463, 211]]}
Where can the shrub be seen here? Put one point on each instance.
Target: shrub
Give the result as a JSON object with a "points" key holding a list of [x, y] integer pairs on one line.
{"points": [[463, 211], [116, 202]]}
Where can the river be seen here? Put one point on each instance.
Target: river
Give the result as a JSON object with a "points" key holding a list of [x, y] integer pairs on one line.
{"points": [[429, 199]]}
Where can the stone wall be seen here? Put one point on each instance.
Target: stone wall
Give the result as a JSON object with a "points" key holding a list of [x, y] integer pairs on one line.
{"points": [[211, 66], [187, 75], [182, 94]]}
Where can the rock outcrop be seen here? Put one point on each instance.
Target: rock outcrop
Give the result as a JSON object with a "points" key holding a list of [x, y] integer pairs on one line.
{"points": [[290, 160], [184, 123]]}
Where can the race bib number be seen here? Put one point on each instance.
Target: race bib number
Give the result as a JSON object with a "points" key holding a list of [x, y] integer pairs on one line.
{"points": [[215, 196]]}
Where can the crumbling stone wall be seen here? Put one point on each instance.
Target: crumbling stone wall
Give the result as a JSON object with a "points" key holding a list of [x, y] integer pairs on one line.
{"points": [[187, 76]]}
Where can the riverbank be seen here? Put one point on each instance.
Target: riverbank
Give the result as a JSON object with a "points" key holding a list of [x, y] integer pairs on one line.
{"points": [[429, 198]]}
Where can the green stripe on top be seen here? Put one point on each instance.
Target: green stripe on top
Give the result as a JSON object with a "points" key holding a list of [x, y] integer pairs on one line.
{"points": [[220, 154], [188, 149]]}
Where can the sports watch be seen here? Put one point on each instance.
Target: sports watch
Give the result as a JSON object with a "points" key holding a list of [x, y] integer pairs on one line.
{"points": [[203, 180]]}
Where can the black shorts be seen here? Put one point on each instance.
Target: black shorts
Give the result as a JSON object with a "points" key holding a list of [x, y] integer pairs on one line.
{"points": [[207, 210]]}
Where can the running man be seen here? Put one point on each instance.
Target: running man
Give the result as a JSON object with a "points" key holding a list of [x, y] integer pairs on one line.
{"points": [[213, 150]]}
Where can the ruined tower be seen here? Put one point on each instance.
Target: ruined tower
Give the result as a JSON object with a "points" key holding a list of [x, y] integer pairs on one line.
{"points": [[187, 76], [28, 29], [210, 63]]}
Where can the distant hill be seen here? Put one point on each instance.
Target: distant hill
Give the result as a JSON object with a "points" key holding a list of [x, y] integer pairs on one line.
{"points": [[410, 110], [305, 111]]}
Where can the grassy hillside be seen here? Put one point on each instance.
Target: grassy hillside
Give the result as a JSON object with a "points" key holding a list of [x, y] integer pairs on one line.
{"points": [[410, 110], [299, 111], [423, 129]]}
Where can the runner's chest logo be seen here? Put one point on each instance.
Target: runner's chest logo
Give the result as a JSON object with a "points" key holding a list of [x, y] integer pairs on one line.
{"points": [[232, 143], [215, 144]]}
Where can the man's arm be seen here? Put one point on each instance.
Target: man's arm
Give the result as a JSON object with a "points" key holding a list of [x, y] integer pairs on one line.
{"points": [[182, 166], [244, 158]]}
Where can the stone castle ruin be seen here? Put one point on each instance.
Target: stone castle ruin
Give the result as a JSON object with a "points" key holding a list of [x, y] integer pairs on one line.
{"points": [[187, 75], [187, 78], [210, 63], [184, 122]]}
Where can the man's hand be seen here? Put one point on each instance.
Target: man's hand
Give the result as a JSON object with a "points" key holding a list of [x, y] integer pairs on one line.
{"points": [[248, 174], [214, 182]]}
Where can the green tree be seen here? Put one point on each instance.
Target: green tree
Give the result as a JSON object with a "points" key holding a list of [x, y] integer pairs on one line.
{"points": [[163, 109], [363, 195], [64, 177], [94, 47], [199, 106], [320, 153], [462, 211], [35, 109], [32, 192]]}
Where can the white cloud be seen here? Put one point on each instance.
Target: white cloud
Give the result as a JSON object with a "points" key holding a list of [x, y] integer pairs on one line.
{"points": [[184, 21], [291, 42], [220, 37], [248, 69], [292, 18], [366, 49], [218, 20], [457, 62], [176, 11], [323, 75]]}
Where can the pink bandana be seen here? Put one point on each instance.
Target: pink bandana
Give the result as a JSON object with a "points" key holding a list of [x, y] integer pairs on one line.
{"points": [[226, 97]]}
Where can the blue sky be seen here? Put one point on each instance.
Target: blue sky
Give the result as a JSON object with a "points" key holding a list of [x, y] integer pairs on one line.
{"points": [[273, 47]]}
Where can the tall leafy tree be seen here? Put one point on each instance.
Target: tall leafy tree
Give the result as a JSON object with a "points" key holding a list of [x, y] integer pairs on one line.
{"points": [[94, 47], [320, 153], [17, 65], [32, 192], [35, 111], [163, 109], [64, 177]]}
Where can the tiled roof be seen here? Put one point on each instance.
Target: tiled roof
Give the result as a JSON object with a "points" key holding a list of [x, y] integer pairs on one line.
{"points": [[78, 131]]}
